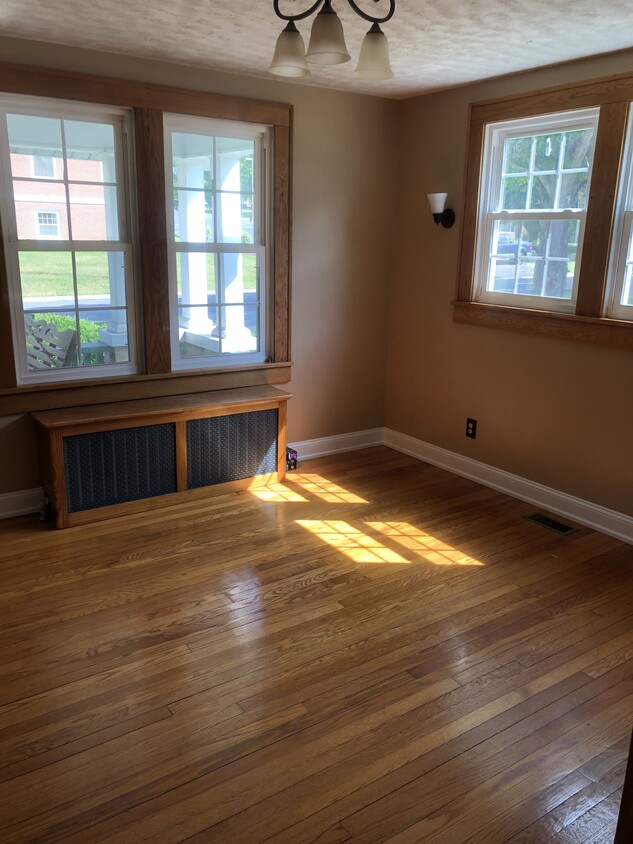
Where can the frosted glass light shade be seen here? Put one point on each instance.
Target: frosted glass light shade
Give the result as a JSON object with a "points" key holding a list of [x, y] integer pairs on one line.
{"points": [[437, 201], [327, 41], [373, 61], [290, 54]]}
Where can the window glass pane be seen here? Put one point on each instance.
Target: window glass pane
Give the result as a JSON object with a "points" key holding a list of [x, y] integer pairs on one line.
{"points": [[546, 153], [47, 280], [517, 155], [93, 212], [543, 192], [34, 197], [192, 160], [573, 191], [536, 258], [578, 149], [90, 151], [193, 216], [103, 337], [32, 140], [231, 228], [199, 332], [239, 324], [514, 193], [100, 278], [196, 277]]}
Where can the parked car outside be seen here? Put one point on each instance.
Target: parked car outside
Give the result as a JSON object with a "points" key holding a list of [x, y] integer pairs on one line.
{"points": [[507, 246]]}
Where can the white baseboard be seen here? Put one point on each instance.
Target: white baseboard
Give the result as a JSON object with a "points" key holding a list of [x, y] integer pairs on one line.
{"points": [[20, 503], [340, 442], [585, 512]]}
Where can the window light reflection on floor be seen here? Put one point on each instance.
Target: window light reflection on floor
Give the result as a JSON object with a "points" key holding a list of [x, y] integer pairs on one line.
{"points": [[364, 548]]}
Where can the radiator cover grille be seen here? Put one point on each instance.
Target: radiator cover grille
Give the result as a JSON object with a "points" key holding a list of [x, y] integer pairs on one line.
{"points": [[112, 467], [230, 448]]}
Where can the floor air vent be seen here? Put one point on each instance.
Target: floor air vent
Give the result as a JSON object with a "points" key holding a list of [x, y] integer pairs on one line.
{"points": [[551, 524]]}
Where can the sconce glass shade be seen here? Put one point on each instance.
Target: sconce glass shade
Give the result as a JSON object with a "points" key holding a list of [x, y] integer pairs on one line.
{"points": [[373, 61], [437, 201], [327, 41], [290, 54]]}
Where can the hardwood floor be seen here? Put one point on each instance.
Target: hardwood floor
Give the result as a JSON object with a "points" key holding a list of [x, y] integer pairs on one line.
{"points": [[374, 651]]}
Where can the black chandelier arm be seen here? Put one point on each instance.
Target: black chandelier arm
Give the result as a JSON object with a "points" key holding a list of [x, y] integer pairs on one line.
{"points": [[302, 15], [371, 18], [298, 17]]}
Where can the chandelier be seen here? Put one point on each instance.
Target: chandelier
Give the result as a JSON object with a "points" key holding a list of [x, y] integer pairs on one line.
{"points": [[327, 43]]}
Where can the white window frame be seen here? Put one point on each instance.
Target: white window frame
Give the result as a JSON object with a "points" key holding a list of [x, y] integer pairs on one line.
{"points": [[122, 119], [496, 134], [57, 224], [262, 235]]}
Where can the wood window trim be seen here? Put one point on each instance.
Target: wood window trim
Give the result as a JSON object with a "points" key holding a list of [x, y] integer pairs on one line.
{"points": [[613, 95], [149, 102]]}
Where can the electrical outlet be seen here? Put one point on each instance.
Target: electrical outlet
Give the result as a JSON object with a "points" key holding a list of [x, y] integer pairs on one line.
{"points": [[471, 428]]}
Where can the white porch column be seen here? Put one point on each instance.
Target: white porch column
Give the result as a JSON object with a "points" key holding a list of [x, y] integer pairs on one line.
{"points": [[193, 265], [237, 336], [116, 333]]}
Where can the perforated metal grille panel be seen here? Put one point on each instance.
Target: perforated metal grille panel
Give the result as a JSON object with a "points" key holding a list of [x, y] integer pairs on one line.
{"points": [[111, 467], [230, 448]]}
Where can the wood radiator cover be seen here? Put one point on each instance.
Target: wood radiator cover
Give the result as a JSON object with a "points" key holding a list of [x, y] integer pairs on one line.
{"points": [[106, 460]]}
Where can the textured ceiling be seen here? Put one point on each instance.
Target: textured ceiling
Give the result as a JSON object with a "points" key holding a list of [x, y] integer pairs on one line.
{"points": [[434, 43]]}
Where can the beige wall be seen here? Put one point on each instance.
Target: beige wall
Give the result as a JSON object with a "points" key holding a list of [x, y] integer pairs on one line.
{"points": [[556, 412], [344, 191]]}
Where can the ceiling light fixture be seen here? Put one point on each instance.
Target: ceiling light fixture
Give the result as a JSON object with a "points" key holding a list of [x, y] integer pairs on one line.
{"points": [[327, 43]]}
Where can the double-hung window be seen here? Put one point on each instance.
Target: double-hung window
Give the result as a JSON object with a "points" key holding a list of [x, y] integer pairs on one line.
{"points": [[67, 238], [534, 193], [146, 242], [547, 236], [619, 303], [217, 211]]}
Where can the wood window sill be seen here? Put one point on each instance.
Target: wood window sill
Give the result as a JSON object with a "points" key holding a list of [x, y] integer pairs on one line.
{"points": [[599, 330]]}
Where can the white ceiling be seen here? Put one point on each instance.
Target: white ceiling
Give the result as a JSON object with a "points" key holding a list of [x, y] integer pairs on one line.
{"points": [[434, 43]]}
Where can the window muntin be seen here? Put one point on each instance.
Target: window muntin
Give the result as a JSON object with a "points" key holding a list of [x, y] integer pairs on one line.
{"points": [[534, 191], [78, 282], [619, 302], [216, 179]]}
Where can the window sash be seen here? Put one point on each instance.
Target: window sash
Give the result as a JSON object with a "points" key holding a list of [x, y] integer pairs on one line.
{"points": [[120, 119], [490, 211], [211, 128]]}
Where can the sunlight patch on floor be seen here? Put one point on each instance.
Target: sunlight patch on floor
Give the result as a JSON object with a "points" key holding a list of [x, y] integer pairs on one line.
{"points": [[277, 493], [364, 546], [312, 484], [423, 544], [352, 542]]}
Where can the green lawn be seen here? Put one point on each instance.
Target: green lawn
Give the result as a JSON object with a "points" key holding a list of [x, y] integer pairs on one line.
{"points": [[47, 274]]}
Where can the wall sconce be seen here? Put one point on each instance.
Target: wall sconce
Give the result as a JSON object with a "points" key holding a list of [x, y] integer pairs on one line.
{"points": [[446, 217]]}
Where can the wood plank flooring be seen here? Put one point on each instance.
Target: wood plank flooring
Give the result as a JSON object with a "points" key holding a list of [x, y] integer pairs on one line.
{"points": [[374, 651]]}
